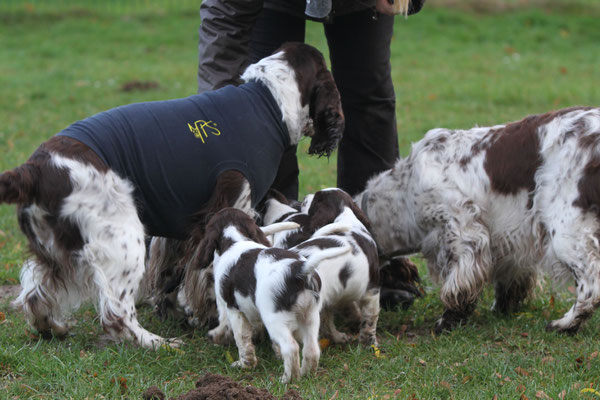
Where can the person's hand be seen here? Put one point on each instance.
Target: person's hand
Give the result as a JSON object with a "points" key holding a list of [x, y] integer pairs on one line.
{"points": [[387, 8]]}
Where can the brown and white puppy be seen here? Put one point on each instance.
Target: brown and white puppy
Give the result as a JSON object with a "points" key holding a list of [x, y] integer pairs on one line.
{"points": [[86, 222], [496, 204], [258, 285]]}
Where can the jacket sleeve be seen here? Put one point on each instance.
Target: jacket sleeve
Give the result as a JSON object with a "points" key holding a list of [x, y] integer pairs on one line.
{"points": [[223, 41], [415, 6]]}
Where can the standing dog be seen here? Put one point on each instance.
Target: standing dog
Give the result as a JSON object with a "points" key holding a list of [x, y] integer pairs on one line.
{"points": [[348, 278], [494, 204], [88, 196], [256, 284]]}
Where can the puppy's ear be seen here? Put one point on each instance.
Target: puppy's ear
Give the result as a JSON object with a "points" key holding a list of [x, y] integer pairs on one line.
{"points": [[254, 233], [327, 115], [321, 212], [207, 246], [360, 214]]}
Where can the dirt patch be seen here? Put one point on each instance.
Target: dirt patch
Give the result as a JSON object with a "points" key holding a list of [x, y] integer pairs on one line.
{"points": [[219, 387], [9, 292]]}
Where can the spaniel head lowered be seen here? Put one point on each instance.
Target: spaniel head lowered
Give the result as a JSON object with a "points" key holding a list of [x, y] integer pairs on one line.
{"points": [[297, 76]]}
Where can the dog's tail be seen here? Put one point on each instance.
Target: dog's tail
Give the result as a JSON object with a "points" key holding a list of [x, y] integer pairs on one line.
{"points": [[314, 260], [278, 227], [17, 185], [333, 228]]}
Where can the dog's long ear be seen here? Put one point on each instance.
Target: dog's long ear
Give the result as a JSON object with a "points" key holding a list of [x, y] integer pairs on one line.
{"points": [[362, 217], [322, 211], [208, 245], [327, 115], [254, 233]]}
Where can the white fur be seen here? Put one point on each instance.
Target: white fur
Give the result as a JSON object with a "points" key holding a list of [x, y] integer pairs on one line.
{"points": [[277, 75], [472, 235]]}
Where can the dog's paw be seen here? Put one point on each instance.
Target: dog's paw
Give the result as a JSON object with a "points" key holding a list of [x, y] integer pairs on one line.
{"points": [[555, 326]]}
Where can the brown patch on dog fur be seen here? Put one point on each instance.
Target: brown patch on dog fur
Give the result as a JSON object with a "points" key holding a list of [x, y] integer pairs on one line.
{"points": [[513, 158], [328, 204]]}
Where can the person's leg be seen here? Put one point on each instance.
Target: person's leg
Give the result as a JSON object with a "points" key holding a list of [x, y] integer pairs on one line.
{"points": [[271, 30], [223, 40], [359, 49]]}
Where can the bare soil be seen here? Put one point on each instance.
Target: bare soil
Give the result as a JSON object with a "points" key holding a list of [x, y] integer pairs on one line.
{"points": [[219, 387]]}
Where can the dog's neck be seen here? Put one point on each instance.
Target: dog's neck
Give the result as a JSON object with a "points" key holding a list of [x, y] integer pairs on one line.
{"points": [[277, 75]]}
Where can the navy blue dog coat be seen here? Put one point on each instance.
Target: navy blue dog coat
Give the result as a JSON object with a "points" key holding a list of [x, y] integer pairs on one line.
{"points": [[172, 151]]}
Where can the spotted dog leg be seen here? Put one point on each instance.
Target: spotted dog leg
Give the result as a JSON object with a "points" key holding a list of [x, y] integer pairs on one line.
{"points": [[242, 333], [288, 348], [43, 301], [310, 342], [369, 307], [464, 262], [582, 258]]}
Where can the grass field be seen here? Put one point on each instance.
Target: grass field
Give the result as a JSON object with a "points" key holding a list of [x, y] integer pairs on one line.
{"points": [[456, 64]]}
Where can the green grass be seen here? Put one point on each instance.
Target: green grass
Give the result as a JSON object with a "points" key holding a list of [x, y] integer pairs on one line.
{"points": [[454, 67]]}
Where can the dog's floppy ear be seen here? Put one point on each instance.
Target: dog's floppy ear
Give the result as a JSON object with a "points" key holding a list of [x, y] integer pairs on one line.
{"points": [[208, 245], [327, 115], [254, 233], [322, 212]]}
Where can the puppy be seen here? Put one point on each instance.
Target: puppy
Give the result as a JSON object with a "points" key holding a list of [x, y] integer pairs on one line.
{"points": [[88, 196], [277, 208], [256, 284], [497, 205], [348, 278]]}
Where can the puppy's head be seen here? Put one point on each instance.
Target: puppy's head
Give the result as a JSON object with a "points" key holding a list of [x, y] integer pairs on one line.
{"points": [[327, 204], [217, 239], [298, 78]]}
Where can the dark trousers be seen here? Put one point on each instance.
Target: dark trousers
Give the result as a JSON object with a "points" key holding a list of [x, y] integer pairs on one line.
{"points": [[359, 49]]}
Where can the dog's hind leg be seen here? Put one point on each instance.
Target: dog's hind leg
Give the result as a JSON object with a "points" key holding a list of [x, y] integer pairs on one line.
{"points": [[369, 309], [582, 258], [310, 341], [242, 333], [288, 347], [45, 299]]}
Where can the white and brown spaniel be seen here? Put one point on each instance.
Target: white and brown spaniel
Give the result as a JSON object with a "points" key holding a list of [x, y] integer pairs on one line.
{"points": [[88, 196], [496, 205], [350, 279], [257, 285]]}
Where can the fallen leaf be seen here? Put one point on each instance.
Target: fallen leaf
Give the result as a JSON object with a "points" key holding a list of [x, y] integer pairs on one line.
{"points": [[593, 355], [422, 362], [524, 334], [335, 395], [562, 394], [346, 367], [520, 388], [466, 379], [547, 359], [541, 395], [521, 371], [377, 351], [499, 376], [446, 385], [324, 343], [563, 70], [2, 316], [592, 391], [82, 354], [523, 397], [552, 301]]}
